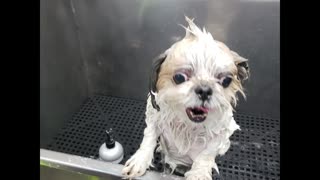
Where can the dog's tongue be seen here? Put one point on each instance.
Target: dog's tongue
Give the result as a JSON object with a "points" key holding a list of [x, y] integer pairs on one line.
{"points": [[205, 110]]}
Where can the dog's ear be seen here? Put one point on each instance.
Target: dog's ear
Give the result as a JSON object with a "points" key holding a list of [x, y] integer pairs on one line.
{"points": [[242, 66], [156, 65], [241, 63]]}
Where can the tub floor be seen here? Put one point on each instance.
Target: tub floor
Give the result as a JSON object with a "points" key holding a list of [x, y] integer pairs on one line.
{"points": [[254, 153]]}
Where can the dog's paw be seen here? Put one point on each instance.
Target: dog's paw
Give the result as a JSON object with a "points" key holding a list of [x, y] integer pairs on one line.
{"points": [[135, 166], [197, 175]]}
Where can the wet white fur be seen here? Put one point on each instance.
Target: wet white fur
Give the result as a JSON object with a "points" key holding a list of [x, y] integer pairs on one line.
{"points": [[183, 141]]}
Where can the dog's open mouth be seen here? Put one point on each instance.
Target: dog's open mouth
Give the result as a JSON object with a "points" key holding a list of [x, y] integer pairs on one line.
{"points": [[197, 114]]}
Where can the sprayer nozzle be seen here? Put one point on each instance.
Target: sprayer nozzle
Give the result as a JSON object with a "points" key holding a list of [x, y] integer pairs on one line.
{"points": [[110, 143]]}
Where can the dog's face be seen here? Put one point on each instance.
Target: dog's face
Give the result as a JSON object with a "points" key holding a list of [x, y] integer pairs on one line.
{"points": [[198, 77]]}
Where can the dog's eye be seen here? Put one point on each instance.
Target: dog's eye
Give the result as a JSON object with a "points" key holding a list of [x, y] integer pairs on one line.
{"points": [[180, 78], [226, 82]]}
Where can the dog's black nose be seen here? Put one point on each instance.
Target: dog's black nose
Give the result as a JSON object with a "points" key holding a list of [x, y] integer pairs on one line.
{"points": [[203, 92]]}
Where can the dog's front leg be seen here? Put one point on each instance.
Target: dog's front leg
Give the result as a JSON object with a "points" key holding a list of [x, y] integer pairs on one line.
{"points": [[201, 168], [141, 160], [204, 162]]}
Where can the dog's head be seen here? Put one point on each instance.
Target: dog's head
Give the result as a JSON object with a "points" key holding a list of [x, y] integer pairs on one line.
{"points": [[197, 76]]}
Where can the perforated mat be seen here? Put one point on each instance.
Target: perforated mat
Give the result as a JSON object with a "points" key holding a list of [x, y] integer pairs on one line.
{"points": [[254, 152]]}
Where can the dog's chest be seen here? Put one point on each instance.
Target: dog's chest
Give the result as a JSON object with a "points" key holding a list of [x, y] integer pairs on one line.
{"points": [[184, 145]]}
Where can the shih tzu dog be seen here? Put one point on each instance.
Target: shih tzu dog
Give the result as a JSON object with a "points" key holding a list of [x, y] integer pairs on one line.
{"points": [[193, 90]]}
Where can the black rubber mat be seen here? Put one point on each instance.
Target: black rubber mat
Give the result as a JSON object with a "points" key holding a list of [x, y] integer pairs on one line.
{"points": [[254, 153]]}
